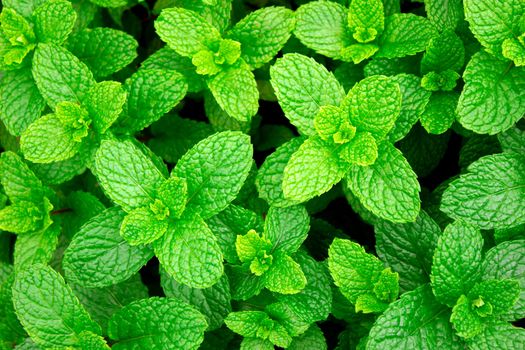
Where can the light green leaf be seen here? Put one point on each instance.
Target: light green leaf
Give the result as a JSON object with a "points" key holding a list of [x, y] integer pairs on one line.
{"points": [[493, 22], [492, 98], [185, 31], [248, 323], [155, 323], [252, 246], [445, 51], [405, 35], [189, 253], [286, 228], [262, 34], [59, 75], [366, 15], [143, 226], [48, 140], [104, 103], [48, 322], [18, 181], [110, 3], [98, 256], [514, 49], [389, 187], [256, 344], [270, 175], [456, 263], [126, 174], [490, 195], [322, 26], [215, 170], [36, 247], [313, 170], [418, 321], [375, 103], [21, 217], [302, 86], [440, 112], [361, 150], [20, 100], [313, 338], [23, 7], [444, 15], [103, 50], [54, 21], [507, 261], [213, 302], [151, 94], [285, 276], [235, 90], [502, 294], [464, 319], [498, 335], [408, 248]]}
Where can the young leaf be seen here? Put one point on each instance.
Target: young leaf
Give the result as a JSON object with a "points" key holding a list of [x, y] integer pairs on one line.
{"points": [[104, 103], [366, 16], [302, 86], [389, 187], [98, 256], [126, 174], [262, 34], [457, 262], [103, 50], [215, 170], [48, 322], [165, 323], [313, 170], [144, 225], [323, 27], [284, 276], [286, 228], [490, 195], [54, 21], [189, 253], [59, 75]]}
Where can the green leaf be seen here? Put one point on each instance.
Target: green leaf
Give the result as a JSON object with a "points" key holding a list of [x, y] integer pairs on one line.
{"points": [[440, 112], [313, 338], [285, 276], [286, 228], [54, 21], [490, 195], [404, 35], [243, 283], [313, 170], [18, 181], [366, 15], [457, 262], [189, 253], [215, 170], [466, 322], [262, 34], [48, 140], [247, 323], [445, 16], [110, 3], [166, 323], [361, 277], [104, 103], [361, 150], [23, 7], [413, 102], [408, 248], [48, 322], [251, 246], [92, 341], [59, 75], [126, 174], [185, 31], [302, 86], [256, 344], [498, 335], [151, 94], [213, 302], [322, 26], [103, 50], [389, 187], [507, 261], [270, 175], [492, 98], [21, 217], [492, 23], [36, 247], [235, 90], [20, 100], [143, 226], [445, 51], [514, 50], [102, 303], [375, 103], [417, 320], [98, 256], [502, 294]]}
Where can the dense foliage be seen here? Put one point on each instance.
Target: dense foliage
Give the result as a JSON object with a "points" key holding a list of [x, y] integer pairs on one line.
{"points": [[225, 174]]}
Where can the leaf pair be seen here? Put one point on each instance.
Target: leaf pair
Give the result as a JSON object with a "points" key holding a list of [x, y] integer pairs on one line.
{"points": [[227, 61], [361, 31], [345, 139], [30, 200], [268, 256]]}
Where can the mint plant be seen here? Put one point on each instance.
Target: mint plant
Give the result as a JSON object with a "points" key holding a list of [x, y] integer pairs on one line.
{"points": [[249, 174]]}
